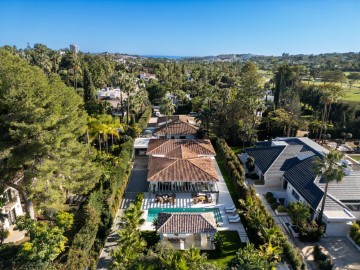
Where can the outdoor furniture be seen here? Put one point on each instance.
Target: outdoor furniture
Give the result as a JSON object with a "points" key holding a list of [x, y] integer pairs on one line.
{"points": [[234, 220], [229, 207], [230, 210], [233, 216]]}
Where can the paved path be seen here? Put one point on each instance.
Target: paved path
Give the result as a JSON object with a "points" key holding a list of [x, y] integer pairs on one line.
{"points": [[104, 260]]}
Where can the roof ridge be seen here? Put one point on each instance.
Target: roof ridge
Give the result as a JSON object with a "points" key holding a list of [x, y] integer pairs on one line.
{"points": [[189, 160], [200, 144], [167, 220], [165, 141]]}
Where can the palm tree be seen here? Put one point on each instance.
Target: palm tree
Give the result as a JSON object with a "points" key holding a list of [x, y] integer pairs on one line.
{"points": [[167, 107], [330, 94], [330, 169]]}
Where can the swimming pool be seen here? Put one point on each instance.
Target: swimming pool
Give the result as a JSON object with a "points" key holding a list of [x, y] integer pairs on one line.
{"points": [[153, 212]]}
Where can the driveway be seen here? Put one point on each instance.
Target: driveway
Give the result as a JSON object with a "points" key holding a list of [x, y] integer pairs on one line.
{"points": [[137, 182]]}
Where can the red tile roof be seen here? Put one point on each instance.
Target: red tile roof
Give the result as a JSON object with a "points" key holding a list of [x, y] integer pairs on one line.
{"points": [[177, 125], [178, 148], [186, 223], [200, 169]]}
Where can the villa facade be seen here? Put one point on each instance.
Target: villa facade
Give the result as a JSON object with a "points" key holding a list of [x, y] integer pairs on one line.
{"points": [[184, 230], [287, 163], [11, 208]]}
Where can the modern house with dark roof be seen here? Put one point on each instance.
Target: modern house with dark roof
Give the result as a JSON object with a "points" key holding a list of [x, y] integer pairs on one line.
{"points": [[184, 230], [176, 127], [287, 163]]}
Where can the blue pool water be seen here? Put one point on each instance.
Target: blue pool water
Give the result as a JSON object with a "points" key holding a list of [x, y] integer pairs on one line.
{"points": [[153, 212]]}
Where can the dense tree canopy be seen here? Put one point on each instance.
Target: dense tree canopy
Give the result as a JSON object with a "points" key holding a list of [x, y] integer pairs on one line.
{"points": [[41, 122]]}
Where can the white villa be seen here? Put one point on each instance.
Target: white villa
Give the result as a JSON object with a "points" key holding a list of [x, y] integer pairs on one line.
{"points": [[11, 208], [287, 163]]}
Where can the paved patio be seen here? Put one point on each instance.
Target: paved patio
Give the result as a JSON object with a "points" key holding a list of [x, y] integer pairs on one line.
{"points": [[342, 252], [15, 235]]}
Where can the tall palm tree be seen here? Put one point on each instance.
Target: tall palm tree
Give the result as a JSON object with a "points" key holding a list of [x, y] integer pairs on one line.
{"points": [[330, 94], [330, 169], [167, 107]]}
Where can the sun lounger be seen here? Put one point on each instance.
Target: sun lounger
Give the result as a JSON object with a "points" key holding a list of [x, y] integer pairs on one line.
{"points": [[234, 220], [233, 216], [229, 207], [230, 210]]}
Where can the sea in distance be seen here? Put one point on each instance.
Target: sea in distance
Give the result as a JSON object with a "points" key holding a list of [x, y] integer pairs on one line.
{"points": [[174, 57]]}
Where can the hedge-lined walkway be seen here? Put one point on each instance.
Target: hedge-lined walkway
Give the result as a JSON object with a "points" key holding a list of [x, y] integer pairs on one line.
{"points": [[105, 259]]}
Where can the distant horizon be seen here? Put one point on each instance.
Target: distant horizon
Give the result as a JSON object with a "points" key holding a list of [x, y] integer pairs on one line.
{"points": [[194, 28], [179, 56]]}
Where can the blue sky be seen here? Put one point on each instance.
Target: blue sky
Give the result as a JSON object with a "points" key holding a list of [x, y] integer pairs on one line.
{"points": [[184, 28]]}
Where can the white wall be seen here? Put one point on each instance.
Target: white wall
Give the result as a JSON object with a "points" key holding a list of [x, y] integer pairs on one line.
{"points": [[273, 179], [290, 197], [337, 229]]}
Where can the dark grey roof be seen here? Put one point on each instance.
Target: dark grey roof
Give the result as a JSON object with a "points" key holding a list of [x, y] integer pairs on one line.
{"points": [[301, 177], [263, 144], [264, 156]]}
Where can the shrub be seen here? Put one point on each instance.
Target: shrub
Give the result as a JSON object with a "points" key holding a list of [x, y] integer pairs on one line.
{"points": [[311, 232], [274, 205], [355, 232], [271, 200], [324, 262], [269, 194], [299, 213], [281, 209], [250, 164]]}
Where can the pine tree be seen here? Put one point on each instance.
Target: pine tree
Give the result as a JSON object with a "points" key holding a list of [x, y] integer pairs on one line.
{"points": [[88, 86], [41, 121]]}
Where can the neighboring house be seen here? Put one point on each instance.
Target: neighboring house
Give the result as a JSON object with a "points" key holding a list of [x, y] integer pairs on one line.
{"points": [[288, 163], [12, 207], [108, 93], [184, 230], [181, 166], [175, 99], [147, 76], [176, 127]]}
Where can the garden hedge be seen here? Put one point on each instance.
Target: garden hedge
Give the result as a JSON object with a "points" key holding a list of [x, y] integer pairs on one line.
{"points": [[101, 209], [237, 174]]}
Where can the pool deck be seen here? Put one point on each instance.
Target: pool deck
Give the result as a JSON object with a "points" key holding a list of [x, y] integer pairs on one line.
{"points": [[184, 200]]}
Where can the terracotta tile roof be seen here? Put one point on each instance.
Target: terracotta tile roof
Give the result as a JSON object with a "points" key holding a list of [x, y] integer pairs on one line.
{"points": [[165, 146], [186, 223], [200, 169], [177, 124], [181, 153], [161, 121]]}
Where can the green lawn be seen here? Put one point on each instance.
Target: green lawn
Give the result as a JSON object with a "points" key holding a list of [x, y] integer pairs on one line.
{"points": [[351, 94], [355, 157], [232, 244]]}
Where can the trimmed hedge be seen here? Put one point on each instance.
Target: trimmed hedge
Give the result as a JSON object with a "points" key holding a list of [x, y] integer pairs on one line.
{"points": [[237, 175], [101, 209], [355, 232], [145, 117]]}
